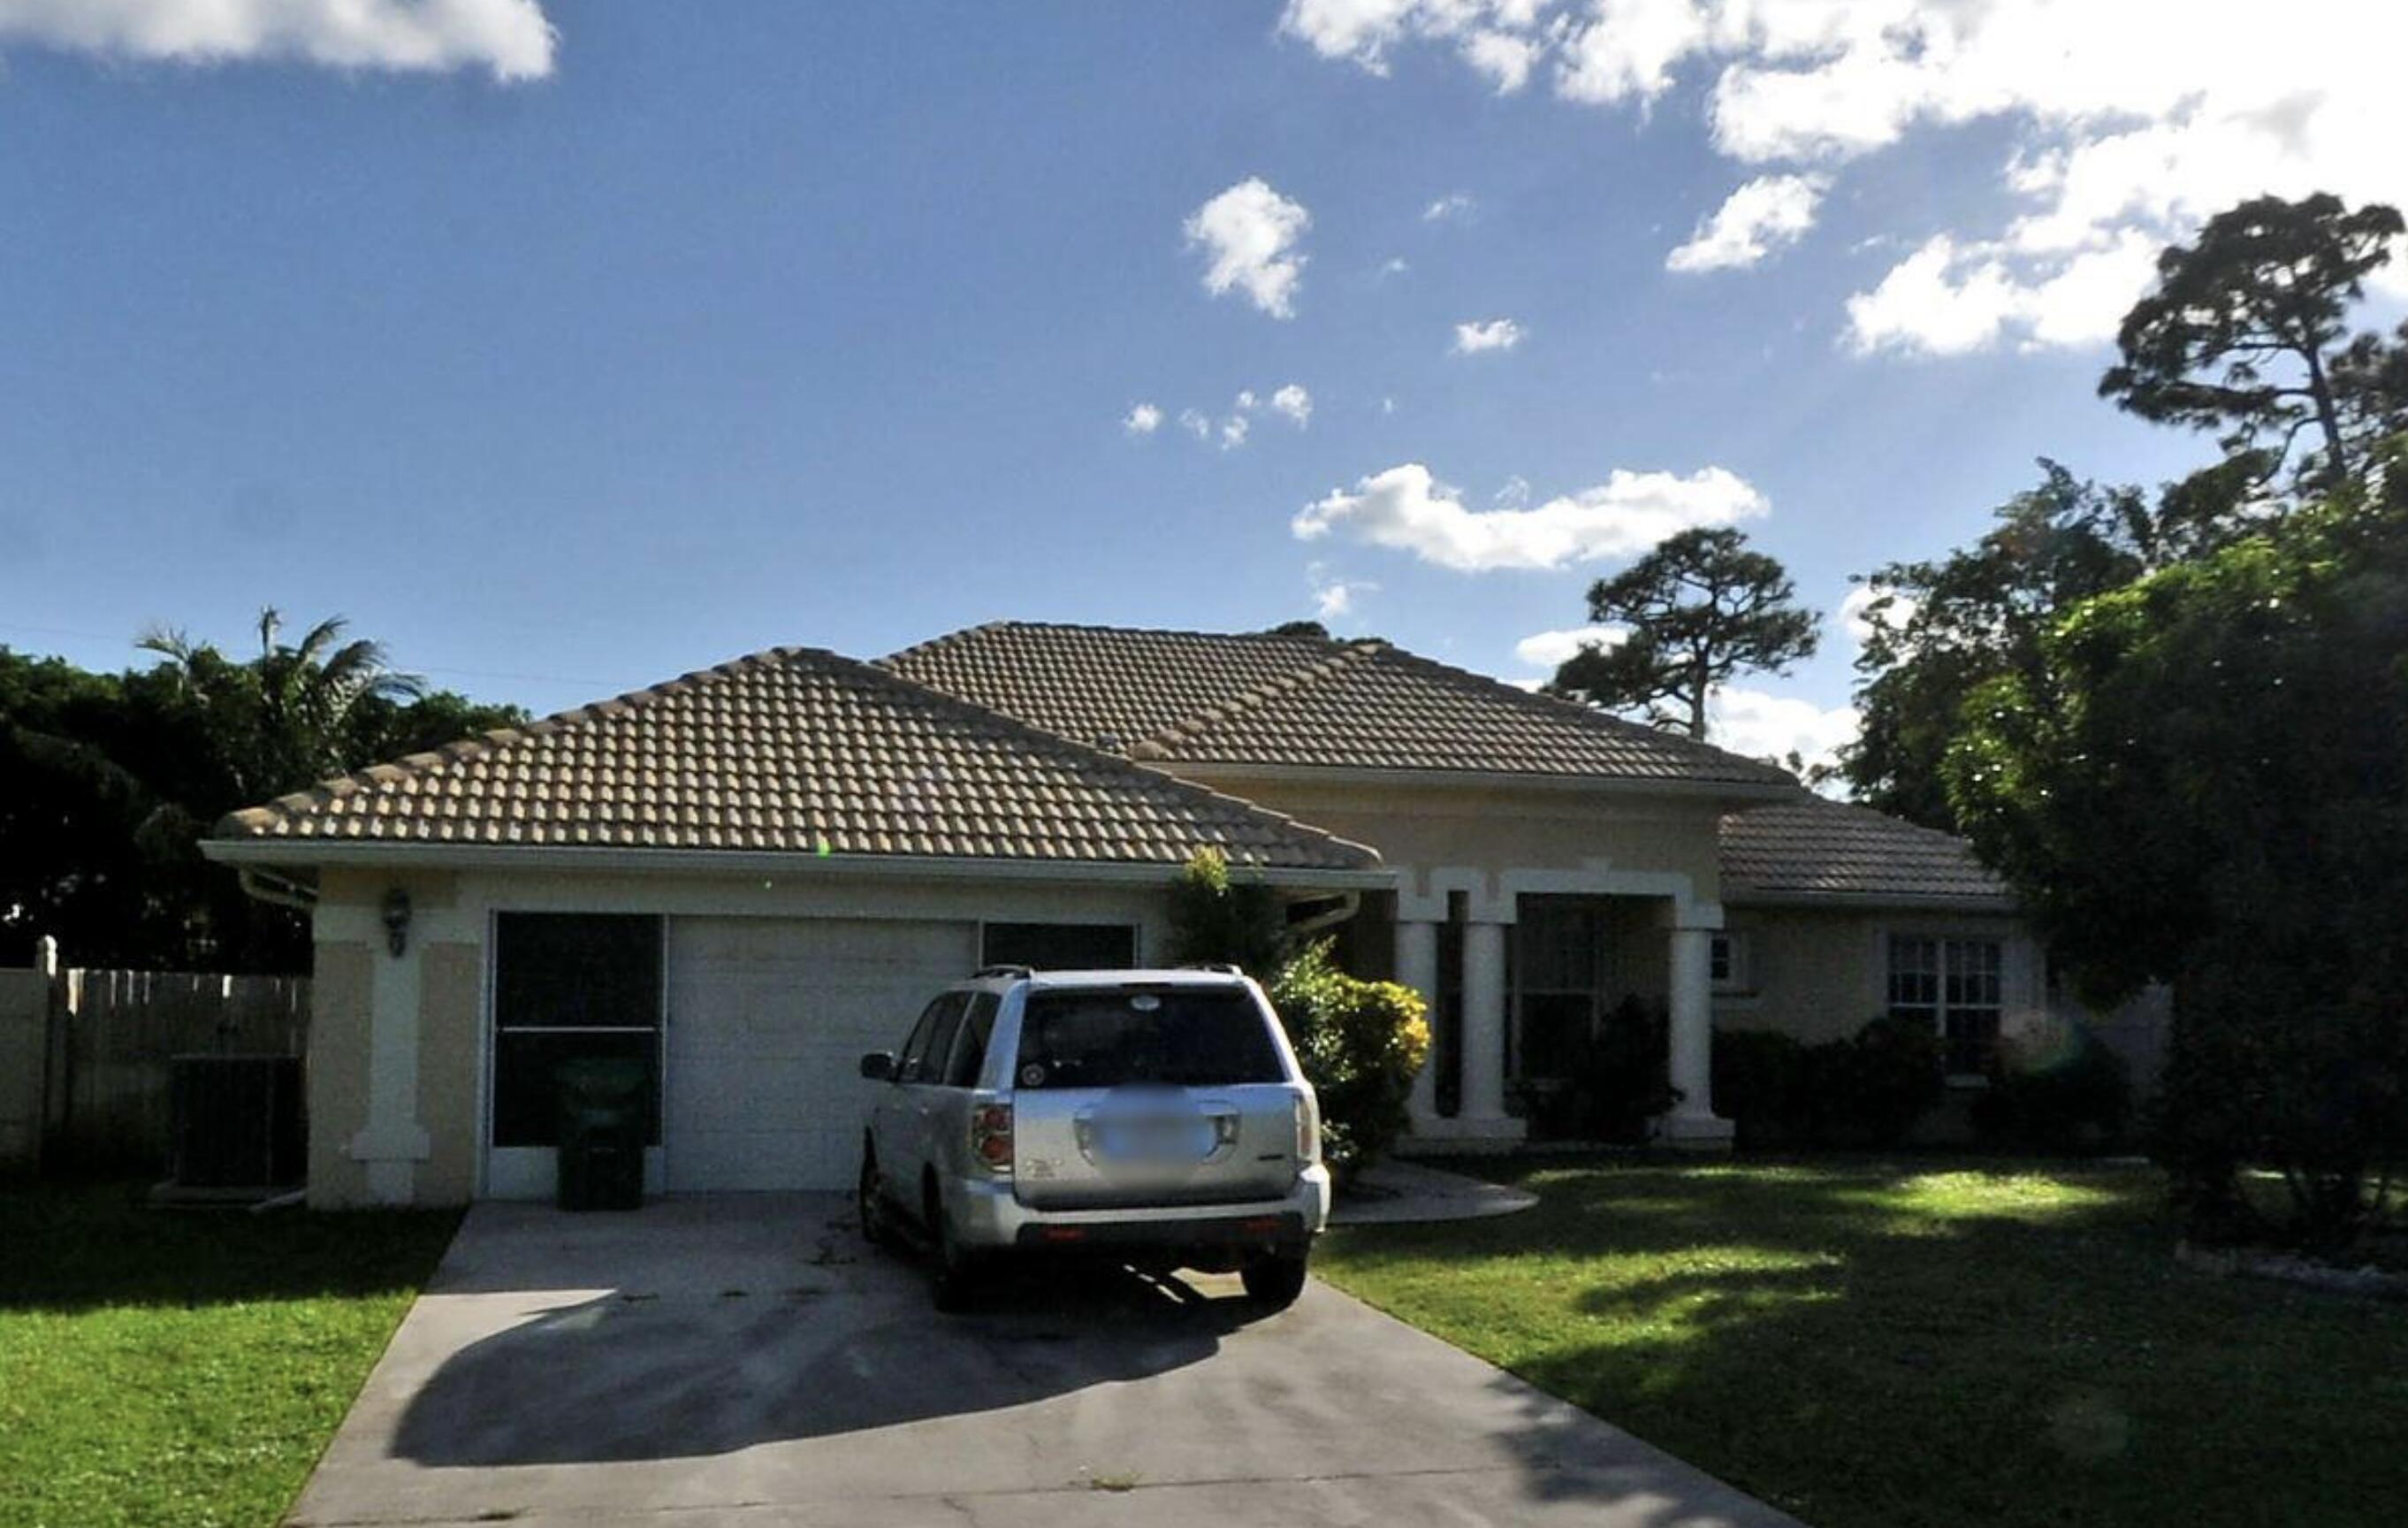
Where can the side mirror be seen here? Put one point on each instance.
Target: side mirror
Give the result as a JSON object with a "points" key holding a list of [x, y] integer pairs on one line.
{"points": [[878, 1066]]}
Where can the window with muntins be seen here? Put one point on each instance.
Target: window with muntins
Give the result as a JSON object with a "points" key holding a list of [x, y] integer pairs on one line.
{"points": [[1955, 986]]}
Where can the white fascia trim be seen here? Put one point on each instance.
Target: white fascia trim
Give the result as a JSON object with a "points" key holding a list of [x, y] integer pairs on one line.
{"points": [[1870, 901], [371, 854], [1202, 772]]}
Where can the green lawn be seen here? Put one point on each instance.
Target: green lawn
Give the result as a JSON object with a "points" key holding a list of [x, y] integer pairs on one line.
{"points": [[184, 1368], [1870, 1344]]}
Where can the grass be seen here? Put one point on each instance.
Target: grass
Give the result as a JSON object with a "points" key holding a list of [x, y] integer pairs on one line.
{"points": [[184, 1368], [1918, 1342]]}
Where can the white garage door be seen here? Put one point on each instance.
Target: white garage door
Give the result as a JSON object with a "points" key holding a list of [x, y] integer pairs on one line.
{"points": [[767, 1019]]}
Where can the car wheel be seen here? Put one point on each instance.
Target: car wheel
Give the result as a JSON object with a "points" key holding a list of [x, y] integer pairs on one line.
{"points": [[1275, 1281], [953, 1275], [872, 1203]]}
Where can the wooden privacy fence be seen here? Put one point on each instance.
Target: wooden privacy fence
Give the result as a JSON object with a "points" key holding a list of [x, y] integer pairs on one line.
{"points": [[84, 1054]]}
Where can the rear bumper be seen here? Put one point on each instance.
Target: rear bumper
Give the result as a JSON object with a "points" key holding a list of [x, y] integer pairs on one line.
{"points": [[985, 1214]]}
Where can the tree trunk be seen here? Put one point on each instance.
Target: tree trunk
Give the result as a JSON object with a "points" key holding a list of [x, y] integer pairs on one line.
{"points": [[1698, 700], [2336, 457]]}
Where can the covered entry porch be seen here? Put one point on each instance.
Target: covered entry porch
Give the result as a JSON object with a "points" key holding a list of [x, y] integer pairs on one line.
{"points": [[1529, 974]]}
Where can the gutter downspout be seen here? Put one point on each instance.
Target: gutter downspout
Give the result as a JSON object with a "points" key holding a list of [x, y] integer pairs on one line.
{"points": [[1349, 903], [280, 890]]}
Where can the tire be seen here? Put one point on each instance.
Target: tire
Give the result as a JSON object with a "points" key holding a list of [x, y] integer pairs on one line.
{"points": [[871, 1204], [953, 1269], [1275, 1281]]}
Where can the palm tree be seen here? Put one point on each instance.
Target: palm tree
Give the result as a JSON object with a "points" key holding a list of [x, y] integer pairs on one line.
{"points": [[290, 707]]}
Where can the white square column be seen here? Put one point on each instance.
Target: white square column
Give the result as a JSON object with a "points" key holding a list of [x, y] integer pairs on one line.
{"points": [[1417, 967], [1483, 1033]]}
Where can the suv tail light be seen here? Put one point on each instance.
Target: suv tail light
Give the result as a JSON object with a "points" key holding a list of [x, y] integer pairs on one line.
{"points": [[991, 1136], [1307, 1131]]}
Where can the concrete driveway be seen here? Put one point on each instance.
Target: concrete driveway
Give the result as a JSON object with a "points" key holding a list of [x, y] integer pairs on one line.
{"points": [[745, 1360]]}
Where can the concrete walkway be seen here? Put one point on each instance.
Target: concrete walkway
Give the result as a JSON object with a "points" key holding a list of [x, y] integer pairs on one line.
{"points": [[744, 1361], [1396, 1192]]}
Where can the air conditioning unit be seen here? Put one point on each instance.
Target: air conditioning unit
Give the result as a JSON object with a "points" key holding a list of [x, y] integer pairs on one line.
{"points": [[238, 1123]]}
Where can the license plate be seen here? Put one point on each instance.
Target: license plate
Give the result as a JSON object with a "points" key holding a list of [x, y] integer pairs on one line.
{"points": [[1153, 1140]]}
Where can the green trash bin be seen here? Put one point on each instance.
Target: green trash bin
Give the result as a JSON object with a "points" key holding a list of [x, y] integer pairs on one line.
{"points": [[603, 1116]]}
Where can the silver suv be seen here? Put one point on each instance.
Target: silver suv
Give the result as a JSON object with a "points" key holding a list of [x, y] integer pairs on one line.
{"points": [[1153, 1117]]}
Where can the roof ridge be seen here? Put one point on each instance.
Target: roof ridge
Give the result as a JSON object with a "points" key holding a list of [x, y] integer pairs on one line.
{"points": [[1536, 700], [1013, 725], [1157, 743], [420, 765], [1107, 628]]}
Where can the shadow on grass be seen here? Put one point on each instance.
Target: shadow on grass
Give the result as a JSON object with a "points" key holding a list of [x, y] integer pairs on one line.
{"points": [[82, 1245], [1920, 1340]]}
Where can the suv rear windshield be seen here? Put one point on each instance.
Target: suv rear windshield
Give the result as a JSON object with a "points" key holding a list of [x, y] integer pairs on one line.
{"points": [[1115, 1038]]}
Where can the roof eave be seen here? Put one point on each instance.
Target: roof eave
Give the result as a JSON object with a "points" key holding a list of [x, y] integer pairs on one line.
{"points": [[314, 853], [1735, 895]]}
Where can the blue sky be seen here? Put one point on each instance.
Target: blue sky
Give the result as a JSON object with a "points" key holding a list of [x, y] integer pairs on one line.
{"points": [[568, 347]]}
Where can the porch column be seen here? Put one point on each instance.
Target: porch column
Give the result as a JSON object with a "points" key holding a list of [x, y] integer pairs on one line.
{"points": [[1692, 1122], [1483, 1023], [1417, 967]]}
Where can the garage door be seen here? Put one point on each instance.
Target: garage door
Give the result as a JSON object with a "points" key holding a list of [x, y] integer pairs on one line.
{"points": [[767, 1019]]}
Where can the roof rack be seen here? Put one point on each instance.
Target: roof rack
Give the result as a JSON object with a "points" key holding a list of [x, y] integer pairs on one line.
{"points": [[1225, 968], [984, 972]]}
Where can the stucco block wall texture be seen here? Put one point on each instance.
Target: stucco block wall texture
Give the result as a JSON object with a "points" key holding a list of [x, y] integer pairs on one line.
{"points": [[437, 990], [339, 1070], [1820, 975]]}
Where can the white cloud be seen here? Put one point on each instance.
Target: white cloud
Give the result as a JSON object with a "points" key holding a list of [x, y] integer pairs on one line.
{"points": [[1394, 265], [1936, 300], [1195, 424], [1552, 650], [1406, 509], [1504, 58], [509, 40], [1143, 418], [1761, 216], [2128, 123], [1765, 726], [1247, 402], [1333, 599], [1294, 402], [1233, 432], [1249, 236], [1451, 207], [1491, 334], [1944, 300]]}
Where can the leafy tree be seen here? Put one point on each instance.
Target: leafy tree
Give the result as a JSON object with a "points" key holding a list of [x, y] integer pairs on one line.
{"points": [[1937, 628], [107, 783], [2203, 780], [1699, 609], [2246, 333]]}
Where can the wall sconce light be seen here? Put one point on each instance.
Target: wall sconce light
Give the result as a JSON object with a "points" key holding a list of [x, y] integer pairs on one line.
{"points": [[396, 921]]}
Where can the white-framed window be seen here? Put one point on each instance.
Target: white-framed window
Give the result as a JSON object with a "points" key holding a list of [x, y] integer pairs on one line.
{"points": [[1955, 986], [1728, 961]]}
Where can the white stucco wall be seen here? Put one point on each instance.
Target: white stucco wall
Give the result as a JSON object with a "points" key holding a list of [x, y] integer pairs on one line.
{"points": [[399, 1044]]}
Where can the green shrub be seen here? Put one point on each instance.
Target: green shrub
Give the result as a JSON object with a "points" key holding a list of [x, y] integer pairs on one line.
{"points": [[1760, 1086], [2054, 1088], [1620, 1083], [1361, 1044], [1871, 1090], [1217, 919]]}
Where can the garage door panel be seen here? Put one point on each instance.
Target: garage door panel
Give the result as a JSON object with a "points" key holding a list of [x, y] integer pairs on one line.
{"points": [[768, 1018]]}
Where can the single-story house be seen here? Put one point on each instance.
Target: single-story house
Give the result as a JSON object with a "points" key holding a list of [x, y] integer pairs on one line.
{"points": [[751, 873]]}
